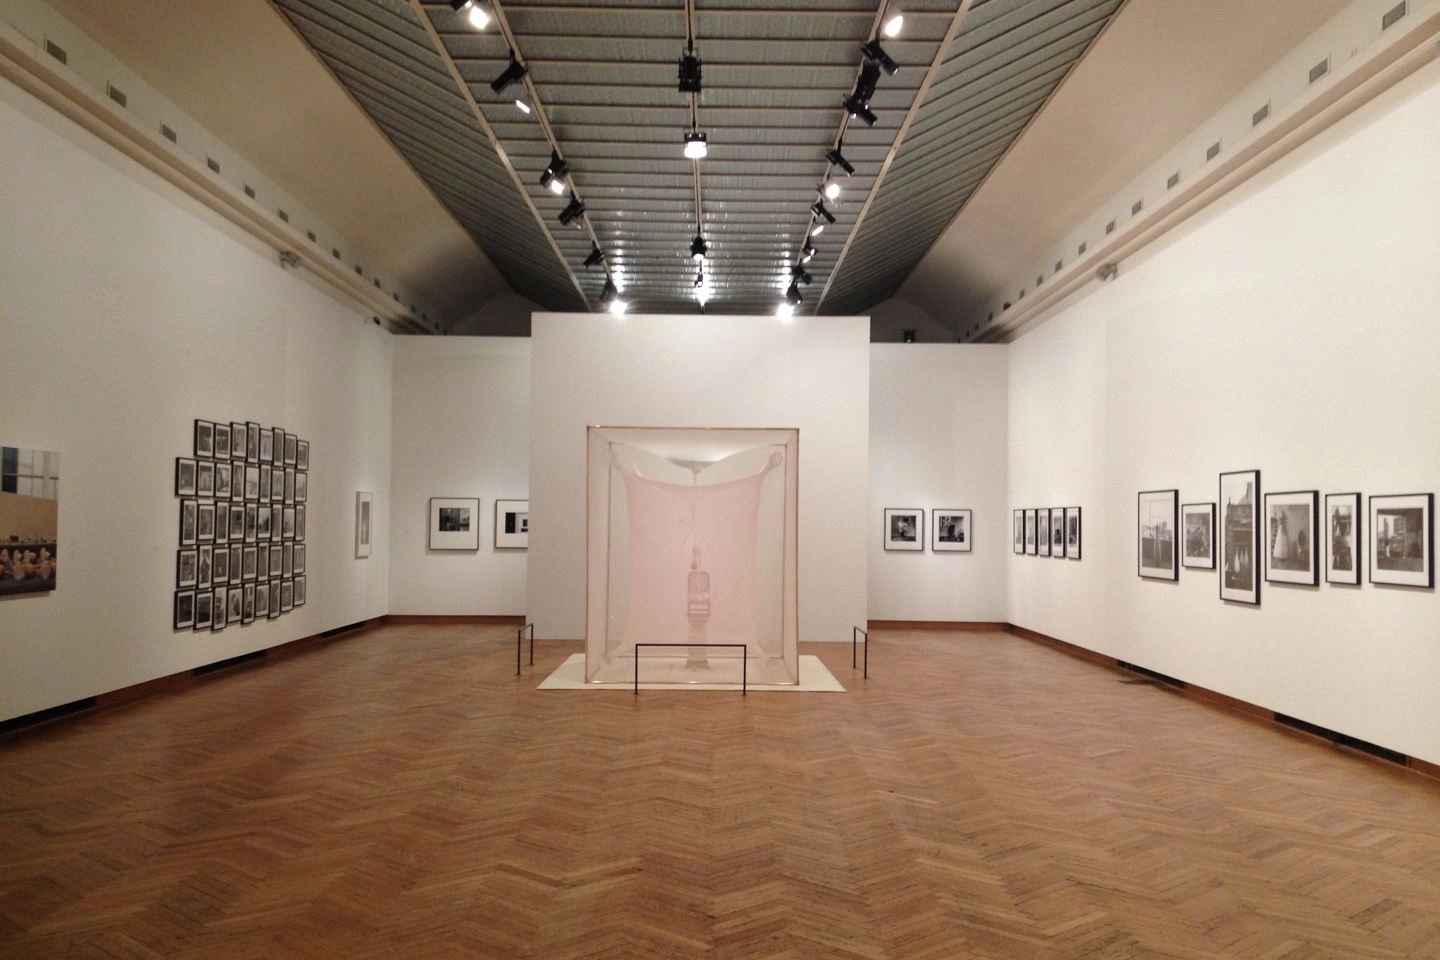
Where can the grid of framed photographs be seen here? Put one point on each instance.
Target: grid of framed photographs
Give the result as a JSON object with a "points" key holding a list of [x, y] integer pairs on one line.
{"points": [[243, 499], [1047, 532]]}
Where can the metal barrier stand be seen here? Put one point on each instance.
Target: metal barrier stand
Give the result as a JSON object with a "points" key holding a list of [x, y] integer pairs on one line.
{"points": [[854, 639], [519, 636], [744, 660]]}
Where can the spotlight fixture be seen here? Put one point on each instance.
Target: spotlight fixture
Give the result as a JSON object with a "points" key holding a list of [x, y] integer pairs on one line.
{"points": [[818, 208], [611, 298], [689, 72], [596, 255], [572, 212], [798, 272], [860, 110], [699, 279], [699, 248], [555, 172], [818, 229], [866, 83], [513, 73], [474, 10], [831, 190], [522, 106], [836, 158], [696, 145], [893, 25], [792, 296], [876, 54], [807, 252]]}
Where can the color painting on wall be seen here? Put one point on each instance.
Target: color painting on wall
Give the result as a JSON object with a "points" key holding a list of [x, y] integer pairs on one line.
{"points": [[29, 520]]}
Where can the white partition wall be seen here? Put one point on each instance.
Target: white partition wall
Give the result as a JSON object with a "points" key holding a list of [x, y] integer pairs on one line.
{"points": [[811, 374], [1291, 330]]}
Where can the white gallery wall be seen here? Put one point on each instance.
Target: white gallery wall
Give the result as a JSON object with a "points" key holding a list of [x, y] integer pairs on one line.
{"points": [[938, 439], [1291, 329], [812, 373], [462, 429], [126, 311]]}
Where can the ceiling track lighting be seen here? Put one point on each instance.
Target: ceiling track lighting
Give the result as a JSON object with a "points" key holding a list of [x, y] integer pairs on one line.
{"points": [[697, 145], [817, 229], [699, 280], [830, 190], [596, 256], [555, 172], [866, 83], [807, 252], [573, 211], [798, 272], [874, 53], [513, 73], [820, 211], [474, 10], [610, 298], [837, 159], [893, 25], [699, 248], [792, 296], [689, 71], [860, 110]]}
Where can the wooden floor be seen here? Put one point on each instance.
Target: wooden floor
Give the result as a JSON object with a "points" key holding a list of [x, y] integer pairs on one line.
{"points": [[401, 794]]}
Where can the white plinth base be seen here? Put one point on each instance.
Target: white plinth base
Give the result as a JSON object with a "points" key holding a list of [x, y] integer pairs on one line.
{"points": [[815, 677]]}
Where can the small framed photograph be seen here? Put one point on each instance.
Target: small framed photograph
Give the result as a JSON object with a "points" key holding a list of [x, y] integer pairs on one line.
{"points": [[274, 598], [265, 470], [289, 485], [222, 480], [302, 486], [204, 438], [299, 591], [363, 503], [262, 523], [248, 559], [277, 519], [1239, 536], [277, 484], [184, 477], [252, 482], [205, 522], [205, 478], [247, 614], [903, 529], [1072, 533], [287, 596], [300, 522], [252, 442], [217, 608], [237, 440], [512, 524], [237, 552], [222, 441], [252, 520], [302, 454], [185, 610], [950, 530], [1057, 532], [267, 446], [204, 603], [220, 568], [237, 522], [262, 562], [1042, 531], [262, 588], [1402, 540], [287, 560], [276, 569], [187, 568], [189, 529], [234, 604], [1031, 547], [1342, 543], [206, 568], [454, 523], [299, 559], [277, 441], [1017, 522], [1292, 521], [290, 440], [287, 523], [1155, 529], [1197, 527]]}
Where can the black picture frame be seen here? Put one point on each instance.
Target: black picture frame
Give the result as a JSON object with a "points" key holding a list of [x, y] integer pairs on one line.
{"points": [[1333, 573], [1186, 511], [966, 530], [234, 603], [247, 603], [1042, 531], [262, 596], [184, 477], [184, 610], [1424, 578], [187, 568], [222, 442], [274, 598], [1306, 551], [1057, 533], [204, 567], [266, 472], [1017, 533], [299, 559], [302, 454], [300, 523], [287, 596], [189, 522], [220, 566], [267, 446], [252, 442], [897, 526], [302, 486], [249, 564], [204, 605], [204, 522], [204, 439], [1146, 504], [300, 591], [290, 441], [1237, 537], [217, 609], [1073, 546], [1032, 547]]}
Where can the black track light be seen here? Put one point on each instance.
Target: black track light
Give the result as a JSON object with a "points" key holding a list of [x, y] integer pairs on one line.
{"points": [[699, 280], [689, 72], [860, 110], [868, 80], [572, 212], [792, 296], [610, 293], [596, 255], [876, 54], [798, 272], [555, 172], [836, 158], [820, 211], [807, 252], [698, 248], [514, 73], [474, 10]]}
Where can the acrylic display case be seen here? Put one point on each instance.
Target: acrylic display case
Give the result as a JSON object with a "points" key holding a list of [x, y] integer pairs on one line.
{"points": [[692, 543]]}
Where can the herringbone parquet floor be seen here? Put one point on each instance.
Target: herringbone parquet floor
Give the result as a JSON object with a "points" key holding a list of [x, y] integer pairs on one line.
{"points": [[402, 795]]}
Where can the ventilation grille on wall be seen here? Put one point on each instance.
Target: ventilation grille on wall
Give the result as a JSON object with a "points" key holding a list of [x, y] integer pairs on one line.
{"points": [[213, 164], [1320, 69], [1214, 151], [56, 51], [1392, 16], [116, 94], [1260, 116], [1174, 181], [169, 134]]}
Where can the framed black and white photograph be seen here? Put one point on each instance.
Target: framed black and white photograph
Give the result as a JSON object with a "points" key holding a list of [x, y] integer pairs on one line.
{"points": [[247, 614], [222, 480], [185, 610], [277, 484], [276, 569], [302, 486], [1292, 521], [277, 521], [189, 530], [262, 592], [512, 524], [287, 523], [1342, 539], [217, 608], [204, 603], [187, 568], [184, 477], [262, 523], [363, 505], [220, 566], [277, 442], [1057, 532], [262, 562], [904, 528], [290, 440], [204, 478], [237, 522], [204, 571], [1155, 528], [221, 438], [287, 560], [300, 523], [205, 522], [274, 598], [237, 440], [454, 523], [1031, 547], [252, 482], [299, 559], [299, 591], [1239, 532], [1042, 531], [267, 446], [289, 484], [248, 558], [302, 454], [1402, 540], [234, 604], [252, 522], [204, 439], [950, 530], [236, 553], [1197, 533], [1072, 533], [287, 595], [252, 442], [1017, 532], [265, 481]]}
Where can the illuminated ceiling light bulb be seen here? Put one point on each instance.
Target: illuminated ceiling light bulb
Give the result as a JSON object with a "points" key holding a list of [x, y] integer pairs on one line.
{"points": [[699, 248], [618, 307], [831, 190], [611, 298], [557, 186], [785, 311], [524, 107], [555, 173], [818, 229], [697, 145], [894, 25], [807, 252], [474, 11]]}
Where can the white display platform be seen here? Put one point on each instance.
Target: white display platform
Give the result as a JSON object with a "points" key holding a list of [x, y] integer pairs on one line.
{"points": [[815, 677]]}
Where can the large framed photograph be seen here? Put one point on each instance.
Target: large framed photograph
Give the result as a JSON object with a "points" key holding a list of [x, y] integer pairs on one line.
{"points": [[1017, 533], [454, 523], [363, 505], [1155, 527], [904, 528], [1072, 533], [1057, 532], [1342, 538], [1042, 531], [1239, 536], [1402, 540], [1197, 532], [1292, 520], [950, 530], [1030, 546]]}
